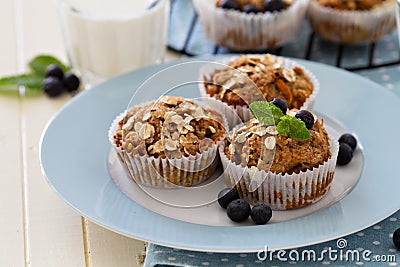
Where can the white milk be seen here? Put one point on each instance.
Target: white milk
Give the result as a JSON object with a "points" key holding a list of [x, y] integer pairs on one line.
{"points": [[105, 38]]}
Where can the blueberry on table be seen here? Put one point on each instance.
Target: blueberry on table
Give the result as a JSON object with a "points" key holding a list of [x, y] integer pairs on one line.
{"points": [[280, 103], [396, 238], [261, 214], [307, 117], [238, 210], [251, 9], [52, 86], [348, 139], [345, 154], [71, 82], [54, 70], [274, 5], [230, 4], [226, 196]]}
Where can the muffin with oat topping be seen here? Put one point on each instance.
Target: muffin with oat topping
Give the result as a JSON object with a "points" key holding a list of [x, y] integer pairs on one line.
{"points": [[352, 21], [250, 78], [276, 168], [241, 25], [169, 142]]}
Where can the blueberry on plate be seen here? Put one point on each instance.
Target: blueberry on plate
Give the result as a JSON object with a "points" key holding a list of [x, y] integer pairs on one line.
{"points": [[54, 70], [226, 196], [348, 139], [396, 238], [230, 4], [238, 210], [71, 82], [307, 117], [345, 154], [261, 214], [273, 5], [280, 103], [251, 9], [52, 86]]}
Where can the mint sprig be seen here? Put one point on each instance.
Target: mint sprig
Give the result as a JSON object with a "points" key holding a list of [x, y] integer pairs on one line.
{"points": [[269, 114], [32, 81], [39, 64], [265, 112], [293, 127]]}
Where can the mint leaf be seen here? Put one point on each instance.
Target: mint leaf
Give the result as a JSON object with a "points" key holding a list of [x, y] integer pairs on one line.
{"points": [[265, 112], [293, 127], [39, 64], [30, 81]]}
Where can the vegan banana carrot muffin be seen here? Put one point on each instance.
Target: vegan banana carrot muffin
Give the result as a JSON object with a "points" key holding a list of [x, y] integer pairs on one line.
{"points": [[285, 161], [250, 78], [352, 21], [251, 24], [169, 142]]}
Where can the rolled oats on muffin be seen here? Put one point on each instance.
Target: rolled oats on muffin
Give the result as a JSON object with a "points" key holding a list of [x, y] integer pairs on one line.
{"points": [[169, 142], [251, 24], [280, 163], [249, 78], [352, 21]]}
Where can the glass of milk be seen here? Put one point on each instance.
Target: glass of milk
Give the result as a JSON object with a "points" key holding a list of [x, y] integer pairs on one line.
{"points": [[104, 38]]}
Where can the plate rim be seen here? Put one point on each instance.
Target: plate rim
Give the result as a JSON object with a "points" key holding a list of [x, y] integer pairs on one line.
{"points": [[193, 246]]}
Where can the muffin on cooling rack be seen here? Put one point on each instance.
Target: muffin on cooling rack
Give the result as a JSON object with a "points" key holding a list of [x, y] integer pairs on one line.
{"points": [[169, 142], [352, 21], [284, 161], [251, 24], [236, 82]]}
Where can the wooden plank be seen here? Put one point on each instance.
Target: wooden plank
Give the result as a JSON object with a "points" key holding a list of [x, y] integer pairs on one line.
{"points": [[53, 229], [105, 248], [11, 221]]}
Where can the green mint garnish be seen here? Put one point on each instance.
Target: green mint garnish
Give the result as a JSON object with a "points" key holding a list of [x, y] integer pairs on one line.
{"points": [[39, 64], [266, 113], [293, 127], [33, 79]]}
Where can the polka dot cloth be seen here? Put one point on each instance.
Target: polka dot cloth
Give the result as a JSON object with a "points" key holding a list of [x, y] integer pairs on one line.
{"points": [[377, 239]]}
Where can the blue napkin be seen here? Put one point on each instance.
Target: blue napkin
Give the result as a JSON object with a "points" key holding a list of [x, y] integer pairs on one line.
{"points": [[370, 247]]}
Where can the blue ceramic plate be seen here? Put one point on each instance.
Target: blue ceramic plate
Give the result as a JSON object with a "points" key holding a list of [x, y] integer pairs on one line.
{"points": [[74, 152]]}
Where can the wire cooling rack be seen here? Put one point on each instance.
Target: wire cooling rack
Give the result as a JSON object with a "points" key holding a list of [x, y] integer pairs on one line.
{"points": [[187, 36]]}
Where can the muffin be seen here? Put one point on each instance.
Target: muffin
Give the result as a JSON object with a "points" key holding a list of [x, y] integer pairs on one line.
{"points": [[248, 78], [281, 169], [168, 143], [251, 24], [352, 21]]}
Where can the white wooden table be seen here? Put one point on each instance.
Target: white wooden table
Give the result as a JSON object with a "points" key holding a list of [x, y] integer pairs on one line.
{"points": [[37, 228]]}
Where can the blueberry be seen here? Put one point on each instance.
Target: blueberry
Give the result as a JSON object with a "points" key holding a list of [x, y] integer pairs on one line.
{"points": [[52, 86], [396, 238], [307, 117], [280, 103], [261, 214], [345, 154], [238, 210], [274, 5], [226, 196], [251, 9], [230, 4], [348, 139], [71, 82], [54, 70]]}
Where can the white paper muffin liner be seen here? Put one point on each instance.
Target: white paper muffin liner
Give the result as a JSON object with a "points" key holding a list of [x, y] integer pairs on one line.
{"points": [[167, 173], [242, 31], [238, 114], [281, 191], [352, 27], [238, 30]]}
